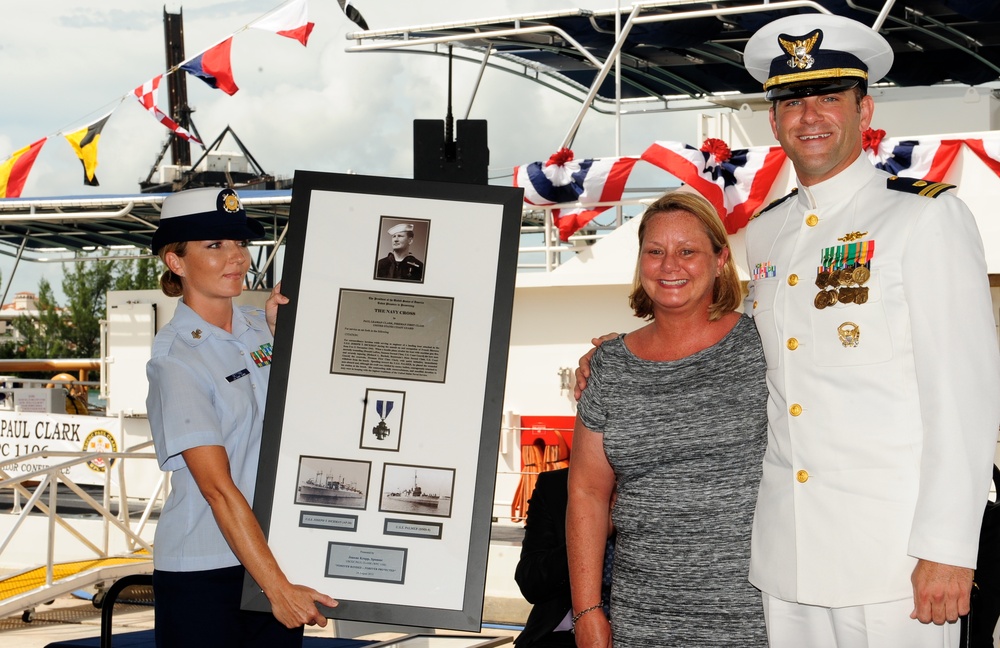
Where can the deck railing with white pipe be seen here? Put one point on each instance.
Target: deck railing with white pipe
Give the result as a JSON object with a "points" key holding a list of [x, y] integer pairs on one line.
{"points": [[41, 492]]}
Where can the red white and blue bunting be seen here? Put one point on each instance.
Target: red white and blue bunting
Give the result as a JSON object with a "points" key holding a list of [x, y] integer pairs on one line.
{"points": [[563, 179], [736, 182]]}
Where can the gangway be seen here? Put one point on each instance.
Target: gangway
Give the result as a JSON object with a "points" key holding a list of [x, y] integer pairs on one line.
{"points": [[112, 546], [26, 590]]}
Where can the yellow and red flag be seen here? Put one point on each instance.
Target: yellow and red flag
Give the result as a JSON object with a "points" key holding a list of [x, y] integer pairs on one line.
{"points": [[14, 170]]}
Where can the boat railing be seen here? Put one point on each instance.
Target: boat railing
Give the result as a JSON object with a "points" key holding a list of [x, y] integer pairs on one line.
{"points": [[41, 489], [541, 248]]}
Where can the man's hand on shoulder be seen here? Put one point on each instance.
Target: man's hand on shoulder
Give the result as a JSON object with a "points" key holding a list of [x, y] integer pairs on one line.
{"points": [[940, 592], [583, 371]]}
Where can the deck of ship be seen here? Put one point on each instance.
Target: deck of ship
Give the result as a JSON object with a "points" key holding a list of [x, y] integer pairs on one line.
{"points": [[72, 614], [69, 618]]}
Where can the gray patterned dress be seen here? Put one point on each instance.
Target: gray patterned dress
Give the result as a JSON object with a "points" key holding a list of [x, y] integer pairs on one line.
{"points": [[685, 439]]}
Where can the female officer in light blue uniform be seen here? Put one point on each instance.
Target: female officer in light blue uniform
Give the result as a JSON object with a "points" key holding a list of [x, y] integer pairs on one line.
{"points": [[207, 386]]}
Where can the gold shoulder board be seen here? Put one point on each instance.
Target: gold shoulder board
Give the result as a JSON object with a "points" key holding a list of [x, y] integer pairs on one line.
{"points": [[917, 186]]}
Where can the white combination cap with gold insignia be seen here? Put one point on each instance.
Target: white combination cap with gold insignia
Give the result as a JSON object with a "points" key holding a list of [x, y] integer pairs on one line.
{"points": [[815, 54], [204, 214]]}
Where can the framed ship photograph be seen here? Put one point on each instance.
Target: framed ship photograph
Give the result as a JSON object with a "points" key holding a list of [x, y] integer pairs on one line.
{"points": [[419, 490], [337, 483], [395, 526]]}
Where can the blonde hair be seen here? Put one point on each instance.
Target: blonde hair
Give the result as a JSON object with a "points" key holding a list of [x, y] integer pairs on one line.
{"points": [[727, 293], [170, 283]]}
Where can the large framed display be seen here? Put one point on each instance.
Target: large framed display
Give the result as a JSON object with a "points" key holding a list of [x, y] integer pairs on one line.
{"points": [[381, 434]]}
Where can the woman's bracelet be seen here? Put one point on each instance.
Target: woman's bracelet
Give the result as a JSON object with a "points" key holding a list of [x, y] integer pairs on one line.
{"points": [[576, 617]]}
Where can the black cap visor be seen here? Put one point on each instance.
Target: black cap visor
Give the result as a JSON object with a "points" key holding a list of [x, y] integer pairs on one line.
{"points": [[198, 228], [814, 87]]}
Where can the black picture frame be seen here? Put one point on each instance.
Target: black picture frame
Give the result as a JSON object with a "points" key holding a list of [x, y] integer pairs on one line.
{"points": [[453, 418]]}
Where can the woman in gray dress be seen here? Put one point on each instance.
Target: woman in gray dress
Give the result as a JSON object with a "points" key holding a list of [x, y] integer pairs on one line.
{"points": [[674, 418]]}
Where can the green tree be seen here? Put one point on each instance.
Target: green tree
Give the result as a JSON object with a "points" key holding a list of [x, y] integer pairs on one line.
{"points": [[86, 286], [137, 274], [44, 335], [74, 331], [6, 347]]}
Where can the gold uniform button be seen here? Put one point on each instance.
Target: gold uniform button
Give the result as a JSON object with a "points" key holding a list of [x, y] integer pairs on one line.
{"points": [[802, 476], [811, 220], [793, 279], [795, 409], [792, 344]]}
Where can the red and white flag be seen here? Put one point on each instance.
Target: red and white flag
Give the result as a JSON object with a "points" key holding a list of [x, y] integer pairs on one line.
{"points": [[146, 94], [290, 20], [988, 151], [735, 182]]}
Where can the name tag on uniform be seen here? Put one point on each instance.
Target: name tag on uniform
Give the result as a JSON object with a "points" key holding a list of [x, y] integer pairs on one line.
{"points": [[239, 374]]}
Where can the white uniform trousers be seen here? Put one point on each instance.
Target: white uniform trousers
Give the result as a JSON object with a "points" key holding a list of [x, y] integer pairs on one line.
{"points": [[880, 625]]}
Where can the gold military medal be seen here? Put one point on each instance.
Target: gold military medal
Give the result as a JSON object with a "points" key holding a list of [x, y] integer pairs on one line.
{"points": [[825, 298], [845, 269]]}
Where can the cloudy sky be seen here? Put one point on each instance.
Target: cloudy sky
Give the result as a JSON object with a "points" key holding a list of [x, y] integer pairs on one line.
{"points": [[65, 63]]}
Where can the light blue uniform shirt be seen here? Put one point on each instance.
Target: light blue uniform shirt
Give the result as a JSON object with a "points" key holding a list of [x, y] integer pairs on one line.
{"points": [[205, 389]]}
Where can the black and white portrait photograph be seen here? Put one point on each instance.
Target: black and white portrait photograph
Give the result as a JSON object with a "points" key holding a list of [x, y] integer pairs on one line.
{"points": [[338, 483], [402, 249]]}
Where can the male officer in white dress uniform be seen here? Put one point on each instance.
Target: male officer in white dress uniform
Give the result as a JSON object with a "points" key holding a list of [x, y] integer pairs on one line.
{"points": [[872, 300]]}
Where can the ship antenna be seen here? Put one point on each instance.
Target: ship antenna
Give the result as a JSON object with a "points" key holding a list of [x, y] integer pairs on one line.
{"points": [[449, 125]]}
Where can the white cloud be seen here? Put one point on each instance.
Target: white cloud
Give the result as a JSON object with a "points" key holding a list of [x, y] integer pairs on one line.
{"points": [[64, 63]]}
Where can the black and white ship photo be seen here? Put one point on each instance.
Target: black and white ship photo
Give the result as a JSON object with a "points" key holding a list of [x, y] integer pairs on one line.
{"points": [[326, 481], [417, 489]]}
